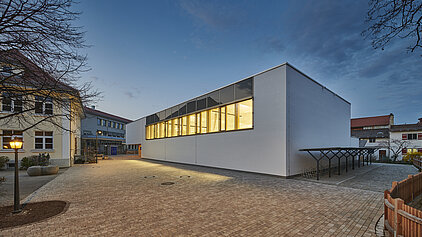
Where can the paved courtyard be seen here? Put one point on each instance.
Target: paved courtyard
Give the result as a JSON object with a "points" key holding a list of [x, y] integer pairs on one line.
{"points": [[27, 184], [126, 197]]}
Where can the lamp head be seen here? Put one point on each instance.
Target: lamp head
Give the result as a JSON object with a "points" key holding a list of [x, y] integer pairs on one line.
{"points": [[16, 143]]}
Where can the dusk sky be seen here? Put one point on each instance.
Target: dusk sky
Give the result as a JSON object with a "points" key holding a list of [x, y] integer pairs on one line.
{"points": [[149, 55]]}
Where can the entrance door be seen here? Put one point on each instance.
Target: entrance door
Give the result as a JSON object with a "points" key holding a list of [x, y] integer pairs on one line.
{"points": [[113, 150], [382, 154]]}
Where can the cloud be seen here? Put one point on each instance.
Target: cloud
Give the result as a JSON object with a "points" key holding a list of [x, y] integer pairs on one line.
{"points": [[132, 93], [216, 14]]}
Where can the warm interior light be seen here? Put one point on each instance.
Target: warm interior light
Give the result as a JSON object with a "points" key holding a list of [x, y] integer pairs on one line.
{"points": [[16, 144], [99, 132]]}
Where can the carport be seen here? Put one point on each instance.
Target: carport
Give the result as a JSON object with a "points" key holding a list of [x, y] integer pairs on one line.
{"points": [[356, 154]]}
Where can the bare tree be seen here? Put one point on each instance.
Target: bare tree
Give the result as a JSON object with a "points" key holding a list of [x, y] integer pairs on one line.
{"points": [[395, 146], [390, 19], [40, 62]]}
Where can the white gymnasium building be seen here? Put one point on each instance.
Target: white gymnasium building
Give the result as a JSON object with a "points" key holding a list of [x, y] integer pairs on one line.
{"points": [[257, 124]]}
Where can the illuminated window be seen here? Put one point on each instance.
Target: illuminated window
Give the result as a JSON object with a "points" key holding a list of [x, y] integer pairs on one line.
{"points": [[198, 123], [155, 130], [192, 124], [175, 127], [169, 127], [184, 125], [204, 121], [214, 120], [162, 130], [411, 150], [147, 132], [230, 117], [223, 118], [244, 114], [7, 137]]}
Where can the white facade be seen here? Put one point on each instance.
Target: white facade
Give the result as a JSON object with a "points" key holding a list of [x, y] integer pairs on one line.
{"points": [[412, 145], [290, 111]]}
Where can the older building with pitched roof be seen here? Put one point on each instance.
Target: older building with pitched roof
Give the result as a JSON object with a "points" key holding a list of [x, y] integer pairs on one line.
{"points": [[373, 131]]}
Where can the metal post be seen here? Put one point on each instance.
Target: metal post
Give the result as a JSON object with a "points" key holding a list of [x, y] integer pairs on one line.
{"points": [[329, 168], [96, 147], [347, 163], [367, 158], [317, 171], [339, 164], [17, 206], [358, 159], [353, 160]]}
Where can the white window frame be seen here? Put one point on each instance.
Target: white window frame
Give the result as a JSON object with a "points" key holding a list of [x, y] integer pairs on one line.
{"points": [[44, 143], [45, 101], [12, 104], [2, 139]]}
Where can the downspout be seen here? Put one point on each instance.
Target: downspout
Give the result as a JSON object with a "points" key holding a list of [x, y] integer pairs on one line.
{"points": [[70, 135]]}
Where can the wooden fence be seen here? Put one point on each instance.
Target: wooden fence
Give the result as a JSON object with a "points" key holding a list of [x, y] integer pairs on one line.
{"points": [[399, 218], [418, 163]]}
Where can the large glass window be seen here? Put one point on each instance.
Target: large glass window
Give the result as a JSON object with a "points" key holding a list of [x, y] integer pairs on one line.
{"points": [[244, 114], [204, 122], [213, 99], [198, 123], [169, 127], [227, 94], [174, 111], [175, 127], [182, 109], [161, 130], [201, 103], [214, 120], [192, 124], [184, 125], [244, 89], [191, 106], [230, 117], [155, 130], [147, 132], [223, 118]]}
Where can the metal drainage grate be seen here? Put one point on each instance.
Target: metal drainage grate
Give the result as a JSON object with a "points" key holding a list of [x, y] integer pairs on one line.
{"points": [[167, 183], [150, 177]]}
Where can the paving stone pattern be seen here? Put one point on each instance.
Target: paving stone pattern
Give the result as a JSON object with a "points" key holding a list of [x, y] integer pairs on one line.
{"points": [[126, 198]]}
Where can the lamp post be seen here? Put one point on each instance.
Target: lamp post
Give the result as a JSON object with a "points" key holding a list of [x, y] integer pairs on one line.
{"points": [[96, 145], [16, 144]]}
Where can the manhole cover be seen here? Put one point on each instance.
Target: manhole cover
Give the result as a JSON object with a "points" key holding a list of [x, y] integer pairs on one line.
{"points": [[167, 183]]}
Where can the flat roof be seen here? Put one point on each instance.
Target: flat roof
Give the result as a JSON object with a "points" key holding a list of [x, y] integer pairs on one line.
{"points": [[254, 75]]}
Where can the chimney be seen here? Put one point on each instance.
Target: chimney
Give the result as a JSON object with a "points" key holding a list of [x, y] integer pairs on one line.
{"points": [[93, 107]]}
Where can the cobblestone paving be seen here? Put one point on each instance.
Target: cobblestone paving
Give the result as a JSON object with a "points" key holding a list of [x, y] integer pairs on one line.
{"points": [[125, 197], [375, 177]]}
